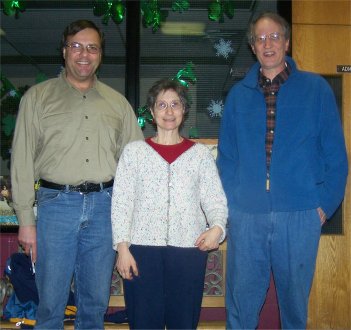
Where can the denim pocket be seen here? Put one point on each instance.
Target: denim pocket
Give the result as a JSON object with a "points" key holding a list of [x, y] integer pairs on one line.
{"points": [[46, 195], [108, 192]]}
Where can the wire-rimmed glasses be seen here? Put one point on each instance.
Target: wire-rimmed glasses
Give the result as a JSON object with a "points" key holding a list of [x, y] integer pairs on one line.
{"points": [[77, 47], [175, 105]]}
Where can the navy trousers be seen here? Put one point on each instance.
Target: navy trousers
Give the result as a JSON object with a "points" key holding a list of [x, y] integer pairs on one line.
{"points": [[168, 291]]}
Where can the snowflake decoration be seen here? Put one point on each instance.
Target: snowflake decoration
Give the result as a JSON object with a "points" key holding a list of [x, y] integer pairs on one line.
{"points": [[215, 109], [224, 48], [12, 93]]}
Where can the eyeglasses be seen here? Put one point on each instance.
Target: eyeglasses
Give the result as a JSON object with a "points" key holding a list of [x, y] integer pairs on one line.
{"points": [[275, 36], [77, 47], [163, 105]]}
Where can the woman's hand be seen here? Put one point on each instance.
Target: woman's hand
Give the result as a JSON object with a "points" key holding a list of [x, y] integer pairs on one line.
{"points": [[125, 263], [209, 239]]}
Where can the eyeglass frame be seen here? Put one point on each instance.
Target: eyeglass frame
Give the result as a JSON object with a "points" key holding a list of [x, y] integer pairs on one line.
{"points": [[171, 106], [274, 36], [77, 47]]}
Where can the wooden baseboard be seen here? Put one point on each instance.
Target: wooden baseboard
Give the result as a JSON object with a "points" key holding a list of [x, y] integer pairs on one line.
{"points": [[207, 325]]}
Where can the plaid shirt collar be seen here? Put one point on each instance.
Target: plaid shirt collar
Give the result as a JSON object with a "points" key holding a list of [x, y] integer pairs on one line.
{"points": [[279, 79]]}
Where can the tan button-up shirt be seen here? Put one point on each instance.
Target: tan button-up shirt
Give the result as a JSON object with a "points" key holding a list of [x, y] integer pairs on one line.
{"points": [[67, 136]]}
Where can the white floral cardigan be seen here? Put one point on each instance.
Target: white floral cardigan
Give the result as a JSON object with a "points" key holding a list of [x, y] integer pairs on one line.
{"points": [[157, 204]]}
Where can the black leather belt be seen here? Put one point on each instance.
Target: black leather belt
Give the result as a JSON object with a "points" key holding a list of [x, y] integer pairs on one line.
{"points": [[84, 188]]}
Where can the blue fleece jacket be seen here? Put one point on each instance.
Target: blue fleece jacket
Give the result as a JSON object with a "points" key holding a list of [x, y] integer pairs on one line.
{"points": [[309, 162]]}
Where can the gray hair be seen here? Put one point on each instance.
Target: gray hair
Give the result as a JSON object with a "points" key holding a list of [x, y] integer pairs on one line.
{"points": [[275, 18]]}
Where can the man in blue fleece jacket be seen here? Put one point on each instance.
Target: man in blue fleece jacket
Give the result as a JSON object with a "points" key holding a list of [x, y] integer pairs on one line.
{"points": [[283, 165]]}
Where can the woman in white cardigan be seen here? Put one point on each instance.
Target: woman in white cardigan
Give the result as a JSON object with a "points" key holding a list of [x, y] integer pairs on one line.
{"points": [[168, 210]]}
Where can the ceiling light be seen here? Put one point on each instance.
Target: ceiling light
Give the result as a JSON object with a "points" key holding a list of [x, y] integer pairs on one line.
{"points": [[183, 28]]}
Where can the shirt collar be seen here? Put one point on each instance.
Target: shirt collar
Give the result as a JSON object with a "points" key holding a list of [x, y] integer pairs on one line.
{"points": [[279, 79]]}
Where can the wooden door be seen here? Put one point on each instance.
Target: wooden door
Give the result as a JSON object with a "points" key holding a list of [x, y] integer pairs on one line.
{"points": [[321, 39]]}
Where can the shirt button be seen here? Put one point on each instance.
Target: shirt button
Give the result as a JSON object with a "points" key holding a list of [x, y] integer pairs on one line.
{"points": [[271, 131], [86, 138], [272, 112], [87, 160], [84, 97], [86, 117], [273, 93]]}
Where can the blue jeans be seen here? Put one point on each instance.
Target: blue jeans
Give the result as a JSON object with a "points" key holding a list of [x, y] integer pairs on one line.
{"points": [[285, 243], [74, 240]]}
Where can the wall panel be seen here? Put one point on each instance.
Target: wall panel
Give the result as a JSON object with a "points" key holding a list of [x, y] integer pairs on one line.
{"points": [[321, 41]]}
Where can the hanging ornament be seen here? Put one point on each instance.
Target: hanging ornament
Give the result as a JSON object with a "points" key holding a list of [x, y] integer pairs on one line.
{"points": [[180, 5], [144, 115], [10, 99], [8, 124], [152, 14], [13, 7], [224, 48], [193, 133], [215, 109], [109, 9], [228, 8], [7, 87], [40, 77], [141, 122], [117, 12], [217, 8], [186, 75]]}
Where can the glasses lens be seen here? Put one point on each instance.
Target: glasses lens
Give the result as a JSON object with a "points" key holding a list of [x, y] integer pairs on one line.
{"points": [[76, 47], [93, 49], [260, 39], [161, 105], [274, 36], [176, 105]]}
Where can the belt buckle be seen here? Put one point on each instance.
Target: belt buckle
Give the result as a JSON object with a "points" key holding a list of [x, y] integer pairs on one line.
{"points": [[84, 188]]}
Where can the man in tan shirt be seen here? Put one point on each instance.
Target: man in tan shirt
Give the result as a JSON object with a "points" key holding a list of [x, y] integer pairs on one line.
{"points": [[70, 132]]}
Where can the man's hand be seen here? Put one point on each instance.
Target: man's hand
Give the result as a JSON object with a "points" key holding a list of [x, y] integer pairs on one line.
{"points": [[27, 238]]}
